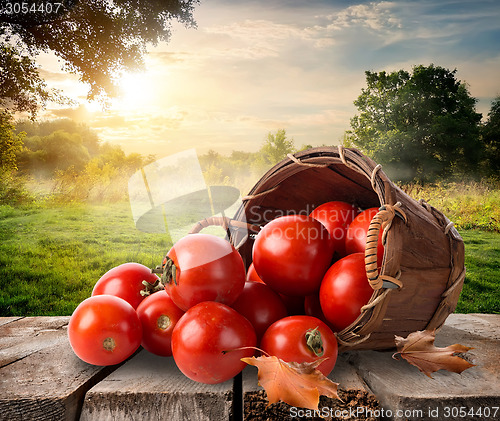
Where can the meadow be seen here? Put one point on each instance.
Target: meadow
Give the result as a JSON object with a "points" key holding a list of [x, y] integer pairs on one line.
{"points": [[51, 254]]}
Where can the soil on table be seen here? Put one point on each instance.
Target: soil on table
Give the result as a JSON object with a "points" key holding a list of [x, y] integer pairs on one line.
{"points": [[354, 405]]}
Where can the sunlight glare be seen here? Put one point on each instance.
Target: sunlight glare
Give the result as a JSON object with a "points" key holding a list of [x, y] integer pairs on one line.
{"points": [[137, 91]]}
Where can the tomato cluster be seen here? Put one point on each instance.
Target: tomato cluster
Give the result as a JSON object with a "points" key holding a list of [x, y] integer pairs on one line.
{"points": [[318, 259], [307, 281], [188, 317]]}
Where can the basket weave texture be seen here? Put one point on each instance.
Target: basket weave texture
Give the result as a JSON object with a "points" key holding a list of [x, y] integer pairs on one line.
{"points": [[425, 253]]}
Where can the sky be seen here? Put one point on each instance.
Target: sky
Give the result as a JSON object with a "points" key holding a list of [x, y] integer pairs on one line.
{"points": [[253, 67]]}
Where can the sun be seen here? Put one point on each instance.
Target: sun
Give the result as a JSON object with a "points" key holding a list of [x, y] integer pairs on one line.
{"points": [[136, 92]]}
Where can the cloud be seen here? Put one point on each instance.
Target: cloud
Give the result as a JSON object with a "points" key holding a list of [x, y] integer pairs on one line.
{"points": [[374, 16], [167, 58], [78, 114]]}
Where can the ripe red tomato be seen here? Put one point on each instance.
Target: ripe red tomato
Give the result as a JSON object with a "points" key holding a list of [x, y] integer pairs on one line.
{"points": [[261, 306], [344, 290], [104, 330], [252, 275], [336, 217], [288, 339], [201, 336], [292, 253], [125, 281], [294, 304], [207, 268], [158, 315], [356, 235], [312, 307]]}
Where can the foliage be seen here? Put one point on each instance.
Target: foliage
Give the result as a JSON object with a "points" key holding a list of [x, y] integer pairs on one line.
{"points": [[13, 189], [470, 205], [103, 179], [96, 39], [10, 143], [491, 138], [276, 147], [69, 160], [55, 152], [418, 125], [45, 128], [21, 87], [243, 169]]}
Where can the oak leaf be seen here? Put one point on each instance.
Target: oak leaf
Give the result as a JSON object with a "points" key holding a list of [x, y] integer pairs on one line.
{"points": [[419, 350], [297, 384]]}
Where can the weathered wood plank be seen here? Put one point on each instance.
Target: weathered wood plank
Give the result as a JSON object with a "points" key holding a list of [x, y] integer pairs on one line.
{"points": [[352, 390], [24, 336], [149, 387], [5, 320], [409, 394], [42, 379]]}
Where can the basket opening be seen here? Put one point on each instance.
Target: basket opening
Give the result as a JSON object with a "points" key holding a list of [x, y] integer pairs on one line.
{"points": [[303, 189], [297, 189]]}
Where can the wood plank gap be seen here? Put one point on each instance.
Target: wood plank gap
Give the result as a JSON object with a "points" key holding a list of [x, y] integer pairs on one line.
{"points": [[237, 407]]}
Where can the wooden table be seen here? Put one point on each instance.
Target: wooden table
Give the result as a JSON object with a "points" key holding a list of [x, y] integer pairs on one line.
{"points": [[42, 379]]}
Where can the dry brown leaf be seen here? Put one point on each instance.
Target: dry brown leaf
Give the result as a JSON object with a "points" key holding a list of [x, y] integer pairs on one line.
{"points": [[419, 350], [298, 385]]}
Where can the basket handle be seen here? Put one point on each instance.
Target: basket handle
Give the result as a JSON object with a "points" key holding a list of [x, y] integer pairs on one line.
{"points": [[382, 220], [224, 222]]}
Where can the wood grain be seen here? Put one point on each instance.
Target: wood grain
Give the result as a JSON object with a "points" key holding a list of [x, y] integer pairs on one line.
{"points": [[41, 378], [149, 387], [402, 387]]}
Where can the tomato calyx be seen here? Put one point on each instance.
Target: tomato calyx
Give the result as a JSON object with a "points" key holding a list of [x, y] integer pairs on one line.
{"points": [[150, 288], [168, 271], [314, 341]]}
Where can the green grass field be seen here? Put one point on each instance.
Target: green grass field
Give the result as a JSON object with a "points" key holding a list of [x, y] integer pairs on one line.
{"points": [[50, 257], [481, 291]]}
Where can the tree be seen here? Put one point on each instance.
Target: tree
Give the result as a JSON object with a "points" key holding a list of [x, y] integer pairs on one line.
{"points": [[58, 151], [491, 138], [96, 39], [276, 147], [419, 125], [44, 128], [10, 143]]}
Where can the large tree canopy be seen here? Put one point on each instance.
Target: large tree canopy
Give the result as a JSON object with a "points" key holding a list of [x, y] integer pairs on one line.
{"points": [[419, 125], [96, 39]]}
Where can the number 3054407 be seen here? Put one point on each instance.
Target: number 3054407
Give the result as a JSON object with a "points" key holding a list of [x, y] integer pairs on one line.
{"points": [[16, 8]]}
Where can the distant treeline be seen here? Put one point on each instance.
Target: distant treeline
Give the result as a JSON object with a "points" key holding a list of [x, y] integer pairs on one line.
{"points": [[65, 161]]}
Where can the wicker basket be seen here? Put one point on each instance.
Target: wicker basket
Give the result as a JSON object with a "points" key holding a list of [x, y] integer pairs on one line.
{"points": [[423, 270]]}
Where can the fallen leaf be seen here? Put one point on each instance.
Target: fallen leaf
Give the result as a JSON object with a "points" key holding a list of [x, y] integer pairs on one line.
{"points": [[419, 350], [297, 384]]}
